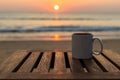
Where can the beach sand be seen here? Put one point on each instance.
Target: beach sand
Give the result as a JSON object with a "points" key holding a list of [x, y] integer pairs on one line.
{"points": [[8, 47]]}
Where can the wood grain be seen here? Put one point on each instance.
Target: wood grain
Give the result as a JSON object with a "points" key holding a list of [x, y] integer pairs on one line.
{"points": [[80, 76], [44, 64], [75, 64], [106, 63], [13, 61], [113, 56], [29, 63], [59, 64], [19, 65], [92, 66]]}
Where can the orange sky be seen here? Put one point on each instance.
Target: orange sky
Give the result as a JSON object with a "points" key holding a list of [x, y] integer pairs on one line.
{"points": [[82, 6]]}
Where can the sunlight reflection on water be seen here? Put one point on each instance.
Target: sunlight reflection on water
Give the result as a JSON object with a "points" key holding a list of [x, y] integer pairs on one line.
{"points": [[55, 36]]}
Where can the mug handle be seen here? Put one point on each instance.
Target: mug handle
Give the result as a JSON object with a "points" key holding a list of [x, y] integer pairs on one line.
{"points": [[101, 44]]}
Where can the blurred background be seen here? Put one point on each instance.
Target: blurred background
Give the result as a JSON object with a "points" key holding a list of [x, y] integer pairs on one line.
{"points": [[49, 24]]}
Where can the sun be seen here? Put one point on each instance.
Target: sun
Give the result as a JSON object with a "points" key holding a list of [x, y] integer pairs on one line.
{"points": [[56, 7]]}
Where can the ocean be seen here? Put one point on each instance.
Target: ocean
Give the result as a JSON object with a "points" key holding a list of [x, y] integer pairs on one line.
{"points": [[48, 26]]}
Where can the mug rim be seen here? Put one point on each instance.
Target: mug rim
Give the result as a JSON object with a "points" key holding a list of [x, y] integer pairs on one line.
{"points": [[82, 34]]}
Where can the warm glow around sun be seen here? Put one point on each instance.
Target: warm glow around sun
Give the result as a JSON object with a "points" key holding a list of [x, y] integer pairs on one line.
{"points": [[56, 37], [56, 7]]}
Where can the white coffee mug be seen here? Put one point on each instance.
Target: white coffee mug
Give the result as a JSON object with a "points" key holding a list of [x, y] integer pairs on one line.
{"points": [[82, 45]]}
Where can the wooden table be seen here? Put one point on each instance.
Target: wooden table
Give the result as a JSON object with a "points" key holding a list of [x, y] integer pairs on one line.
{"points": [[35, 65]]}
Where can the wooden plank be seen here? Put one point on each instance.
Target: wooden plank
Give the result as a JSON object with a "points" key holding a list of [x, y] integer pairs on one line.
{"points": [[59, 64], [92, 66], [80, 76], [113, 56], [75, 64], [13, 61], [44, 65], [106, 64], [29, 63]]}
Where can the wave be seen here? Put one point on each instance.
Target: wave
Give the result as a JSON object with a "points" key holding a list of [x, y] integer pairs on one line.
{"points": [[65, 28], [3, 18]]}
